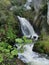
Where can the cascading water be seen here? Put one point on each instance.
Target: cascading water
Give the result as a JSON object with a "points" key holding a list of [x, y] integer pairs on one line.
{"points": [[28, 56], [32, 58], [27, 29]]}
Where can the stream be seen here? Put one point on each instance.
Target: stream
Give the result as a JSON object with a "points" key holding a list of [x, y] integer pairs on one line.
{"points": [[32, 58], [29, 56]]}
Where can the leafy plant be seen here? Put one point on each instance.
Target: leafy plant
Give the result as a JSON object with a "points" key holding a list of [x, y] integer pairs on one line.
{"points": [[14, 52], [23, 40], [26, 40], [19, 40], [10, 33], [1, 58], [7, 51]]}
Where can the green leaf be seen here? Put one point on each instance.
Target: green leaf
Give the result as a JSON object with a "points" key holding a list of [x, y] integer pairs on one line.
{"points": [[19, 40], [9, 47], [6, 50], [1, 58], [14, 52], [1, 48], [26, 40]]}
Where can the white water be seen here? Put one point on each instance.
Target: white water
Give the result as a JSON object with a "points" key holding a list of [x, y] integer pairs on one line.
{"points": [[27, 29], [32, 58]]}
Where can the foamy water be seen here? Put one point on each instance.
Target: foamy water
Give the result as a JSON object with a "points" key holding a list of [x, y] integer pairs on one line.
{"points": [[28, 56]]}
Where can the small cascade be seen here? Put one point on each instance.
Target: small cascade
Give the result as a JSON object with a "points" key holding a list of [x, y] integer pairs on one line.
{"points": [[27, 28], [31, 57]]}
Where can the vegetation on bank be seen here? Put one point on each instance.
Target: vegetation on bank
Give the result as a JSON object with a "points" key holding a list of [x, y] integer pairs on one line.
{"points": [[9, 52], [23, 40], [42, 45]]}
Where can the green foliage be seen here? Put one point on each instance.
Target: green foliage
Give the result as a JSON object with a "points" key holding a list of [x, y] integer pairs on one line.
{"points": [[17, 2], [8, 25], [9, 46], [14, 52], [7, 51], [1, 58], [4, 4], [2, 30], [42, 46], [27, 40], [23, 40], [19, 40], [4, 45], [10, 33]]}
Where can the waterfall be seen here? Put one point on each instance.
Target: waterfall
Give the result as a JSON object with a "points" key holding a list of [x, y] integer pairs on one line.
{"points": [[28, 56], [27, 28]]}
